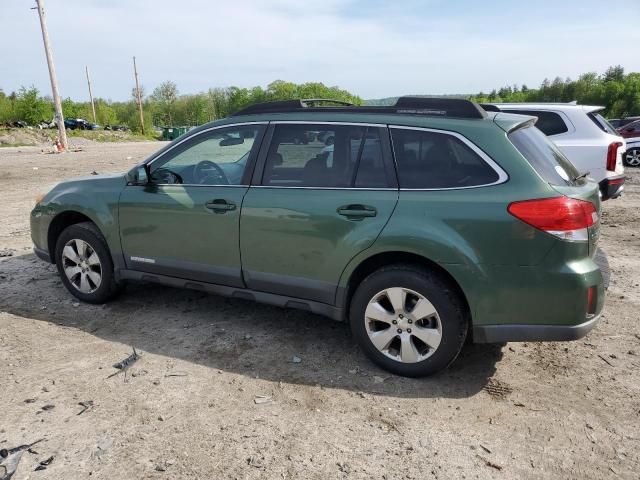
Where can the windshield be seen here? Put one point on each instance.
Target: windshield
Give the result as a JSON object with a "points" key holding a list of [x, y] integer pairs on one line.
{"points": [[544, 156]]}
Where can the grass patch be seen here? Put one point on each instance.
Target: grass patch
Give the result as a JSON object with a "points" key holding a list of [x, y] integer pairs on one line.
{"points": [[108, 136]]}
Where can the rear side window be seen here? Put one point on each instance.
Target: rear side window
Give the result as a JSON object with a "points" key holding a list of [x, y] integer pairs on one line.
{"points": [[438, 160], [544, 156], [549, 123], [324, 155], [602, 123]]}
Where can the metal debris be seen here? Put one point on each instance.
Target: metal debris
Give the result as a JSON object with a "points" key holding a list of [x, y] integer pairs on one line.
{"points": [[263, 399], [125, 364], [46, 408], [295, 359], [254, 461], [10, 458], [86, 405], [489, 463], [44, 464], [605, 360]]}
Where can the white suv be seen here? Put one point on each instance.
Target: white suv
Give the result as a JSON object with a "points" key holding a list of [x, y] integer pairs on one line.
{"points": [[583, 135]]}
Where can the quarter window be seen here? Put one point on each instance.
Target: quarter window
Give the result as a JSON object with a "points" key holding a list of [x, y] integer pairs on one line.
{"points": [[218, 157], [323, 155], [437, 160], [544, 156]]}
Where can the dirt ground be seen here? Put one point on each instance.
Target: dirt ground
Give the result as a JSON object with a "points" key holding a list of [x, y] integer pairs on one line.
{"points": [[188, 408]]}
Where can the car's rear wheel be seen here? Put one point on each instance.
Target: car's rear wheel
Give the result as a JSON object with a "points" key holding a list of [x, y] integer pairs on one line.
{"points": [[408, 320], [632, 157], [84, 263]]}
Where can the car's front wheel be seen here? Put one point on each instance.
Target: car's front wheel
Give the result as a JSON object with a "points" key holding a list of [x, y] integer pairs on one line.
{"points": [[408, 320], [632, 157], [84, 263]]}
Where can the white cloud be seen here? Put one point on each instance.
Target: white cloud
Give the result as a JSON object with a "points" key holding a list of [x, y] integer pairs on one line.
{"points": [[373, 49]]}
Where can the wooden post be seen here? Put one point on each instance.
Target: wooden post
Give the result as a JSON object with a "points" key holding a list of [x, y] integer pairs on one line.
{"points": [[93, 107], [62, 133], [138, 97]]}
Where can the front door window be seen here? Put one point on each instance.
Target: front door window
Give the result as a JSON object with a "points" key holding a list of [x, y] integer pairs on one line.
{"points": [[215, 158]]}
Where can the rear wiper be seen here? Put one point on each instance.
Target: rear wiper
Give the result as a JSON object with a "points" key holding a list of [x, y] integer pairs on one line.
{"points": [[582, 175]]}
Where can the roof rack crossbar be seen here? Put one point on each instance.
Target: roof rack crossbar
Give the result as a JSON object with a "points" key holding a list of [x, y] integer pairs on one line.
{"points": [[441, 107], [307, 101]]}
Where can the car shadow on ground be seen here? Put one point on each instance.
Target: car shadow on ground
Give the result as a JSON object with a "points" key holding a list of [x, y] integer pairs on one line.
{"points": [[232, 335]]}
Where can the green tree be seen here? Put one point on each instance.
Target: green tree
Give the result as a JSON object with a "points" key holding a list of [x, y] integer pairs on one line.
{"points": [[165, 96], [32, 108]]}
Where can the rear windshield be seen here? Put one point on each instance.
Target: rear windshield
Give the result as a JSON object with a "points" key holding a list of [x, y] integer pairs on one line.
{"points": [[544, 156], [603, 123]]}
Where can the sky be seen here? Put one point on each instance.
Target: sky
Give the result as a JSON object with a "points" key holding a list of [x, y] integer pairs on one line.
{"points": [[373, 48]]}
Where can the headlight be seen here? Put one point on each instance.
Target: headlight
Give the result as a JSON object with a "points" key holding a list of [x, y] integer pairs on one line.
{"points": [[39, 198]]}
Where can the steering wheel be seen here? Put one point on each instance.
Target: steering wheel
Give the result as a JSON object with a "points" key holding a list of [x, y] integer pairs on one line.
{"points": [[207, 171]]}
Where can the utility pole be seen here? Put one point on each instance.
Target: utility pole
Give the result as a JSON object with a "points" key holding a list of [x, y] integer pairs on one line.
{"points": [[138, 97], [62, 134], [93, 107]]}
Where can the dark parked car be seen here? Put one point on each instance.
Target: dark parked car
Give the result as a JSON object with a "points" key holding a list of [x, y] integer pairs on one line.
{"points": [[630, 130], [117, 128], [77, 124], [618, 123]]}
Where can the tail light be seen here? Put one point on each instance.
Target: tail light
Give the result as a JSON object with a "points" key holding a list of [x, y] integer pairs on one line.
{"points": [[564, 217], [612, 156]]}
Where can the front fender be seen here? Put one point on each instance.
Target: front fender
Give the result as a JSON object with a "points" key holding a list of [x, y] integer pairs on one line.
{"points": [[93, 197]]}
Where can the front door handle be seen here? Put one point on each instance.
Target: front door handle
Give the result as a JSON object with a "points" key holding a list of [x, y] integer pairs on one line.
{"points": [[220, 205], [357, 211]]}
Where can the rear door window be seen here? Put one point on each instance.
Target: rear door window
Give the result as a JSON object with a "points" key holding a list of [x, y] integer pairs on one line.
{"points": [[328, 156], [428, 160], [549, 123], [544, 156]]}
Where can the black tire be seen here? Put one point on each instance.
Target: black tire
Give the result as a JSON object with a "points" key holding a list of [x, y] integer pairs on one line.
{"points": [[451, 310], [90, 234]]}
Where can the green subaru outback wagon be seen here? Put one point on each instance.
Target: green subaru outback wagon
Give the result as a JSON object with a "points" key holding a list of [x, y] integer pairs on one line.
{"points": [[420, 224]]}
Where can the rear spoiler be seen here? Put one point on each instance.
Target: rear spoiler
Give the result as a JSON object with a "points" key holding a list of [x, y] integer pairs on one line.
{"points": [[510, 122]]}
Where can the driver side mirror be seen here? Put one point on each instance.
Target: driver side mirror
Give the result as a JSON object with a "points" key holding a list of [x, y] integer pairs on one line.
{"points": [[141, 175]]}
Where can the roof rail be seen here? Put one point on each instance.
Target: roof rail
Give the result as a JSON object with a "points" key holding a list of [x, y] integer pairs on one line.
{"points": [[440, 107]]}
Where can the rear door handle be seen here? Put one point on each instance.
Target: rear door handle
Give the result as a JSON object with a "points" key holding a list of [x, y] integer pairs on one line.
{"points": [[357, 211], [220, 205]]}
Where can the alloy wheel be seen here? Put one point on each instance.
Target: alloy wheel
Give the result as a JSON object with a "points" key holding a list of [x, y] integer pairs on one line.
{"points": [[632, 157], [403, 325], [82, 266]]}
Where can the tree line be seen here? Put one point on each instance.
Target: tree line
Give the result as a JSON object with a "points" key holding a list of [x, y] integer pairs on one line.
{"points": [[616, 90], [165, 106]]}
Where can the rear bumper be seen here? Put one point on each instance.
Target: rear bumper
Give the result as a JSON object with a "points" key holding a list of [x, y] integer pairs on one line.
{"points": [[612, 187], [532, 333]]}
